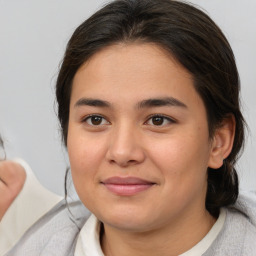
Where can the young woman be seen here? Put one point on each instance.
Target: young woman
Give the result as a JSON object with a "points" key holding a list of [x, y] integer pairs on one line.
{"points": [[148, 101]]}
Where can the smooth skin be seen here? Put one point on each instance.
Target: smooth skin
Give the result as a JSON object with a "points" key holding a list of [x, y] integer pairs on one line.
{"points": [[134, 112], [12, 179]]}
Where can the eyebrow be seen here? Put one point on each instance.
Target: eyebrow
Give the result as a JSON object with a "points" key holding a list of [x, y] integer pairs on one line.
{"points": [[160, 102], [92, 103], [157, 102]]}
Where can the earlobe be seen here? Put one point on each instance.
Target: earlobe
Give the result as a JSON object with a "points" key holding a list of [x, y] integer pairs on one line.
{"points": [[222, 142]]}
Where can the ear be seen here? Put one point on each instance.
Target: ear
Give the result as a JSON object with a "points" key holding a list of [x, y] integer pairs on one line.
{"points": [[222, 142]]}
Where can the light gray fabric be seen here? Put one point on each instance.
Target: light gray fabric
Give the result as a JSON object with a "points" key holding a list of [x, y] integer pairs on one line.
{"points": [[238, 236], [56, 234]]}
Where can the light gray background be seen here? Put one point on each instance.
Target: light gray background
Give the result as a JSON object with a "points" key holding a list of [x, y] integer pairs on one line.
{"points": [[33, 35]]}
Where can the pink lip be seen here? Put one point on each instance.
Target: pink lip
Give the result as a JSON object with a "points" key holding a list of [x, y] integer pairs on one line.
{"points": [[126, 186]]}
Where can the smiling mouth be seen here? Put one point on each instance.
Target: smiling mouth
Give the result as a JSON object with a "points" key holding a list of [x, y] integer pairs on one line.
{"points": [[127, 186]]}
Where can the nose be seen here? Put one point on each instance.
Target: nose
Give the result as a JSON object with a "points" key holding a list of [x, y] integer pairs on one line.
{"points": [[125, 147]]}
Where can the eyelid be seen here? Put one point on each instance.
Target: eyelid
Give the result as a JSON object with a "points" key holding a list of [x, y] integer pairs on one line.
{"points": [[84, 119], [170, 119]]}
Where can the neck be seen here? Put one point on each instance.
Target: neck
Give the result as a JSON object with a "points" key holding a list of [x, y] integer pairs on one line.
{"points": [[170, 240]]}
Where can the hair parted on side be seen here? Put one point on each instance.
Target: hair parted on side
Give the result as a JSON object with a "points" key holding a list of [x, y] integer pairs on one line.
{"points": [[195, 41]]}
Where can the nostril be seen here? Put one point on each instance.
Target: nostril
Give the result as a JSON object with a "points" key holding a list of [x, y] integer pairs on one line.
{"points": [[112, 161], [123, 162], [132, 161]]}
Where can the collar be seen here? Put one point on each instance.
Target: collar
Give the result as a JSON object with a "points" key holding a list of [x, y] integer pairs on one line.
{"points": [[91, 234]]}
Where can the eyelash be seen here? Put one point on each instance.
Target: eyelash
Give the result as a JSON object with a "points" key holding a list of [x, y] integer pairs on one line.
{"points": [[94, 116], [163, 117]]}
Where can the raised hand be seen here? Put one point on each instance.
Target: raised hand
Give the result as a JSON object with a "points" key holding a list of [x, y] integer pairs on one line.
{"points": [[12, 179]]}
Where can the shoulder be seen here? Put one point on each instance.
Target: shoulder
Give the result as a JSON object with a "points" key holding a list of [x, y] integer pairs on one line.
{"points": [[238, 234], [246, 204], [55, 232]]}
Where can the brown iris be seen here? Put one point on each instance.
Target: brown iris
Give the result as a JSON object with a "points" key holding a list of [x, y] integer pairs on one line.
{"points": [[157, 120], [96, 120]]}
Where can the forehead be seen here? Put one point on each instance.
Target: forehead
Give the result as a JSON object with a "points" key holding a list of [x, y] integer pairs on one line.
{"points": [[136, 56], [135, 72]]}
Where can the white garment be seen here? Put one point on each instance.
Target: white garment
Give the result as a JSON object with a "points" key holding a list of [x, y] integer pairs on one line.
{"points": [[32, 203], [206, 242], [88, 243]]}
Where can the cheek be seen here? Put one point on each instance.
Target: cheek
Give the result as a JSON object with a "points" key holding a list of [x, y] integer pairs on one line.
{"points": [[83, 148], [183, 165], [86, 155], [183, 155], [82, 163]]}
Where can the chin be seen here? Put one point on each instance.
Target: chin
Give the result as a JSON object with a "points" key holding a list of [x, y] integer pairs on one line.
{"points": [[126, 219]]}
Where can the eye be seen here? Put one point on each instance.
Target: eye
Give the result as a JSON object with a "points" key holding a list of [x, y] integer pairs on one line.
{"points": [[159, 120], [95, 120]]}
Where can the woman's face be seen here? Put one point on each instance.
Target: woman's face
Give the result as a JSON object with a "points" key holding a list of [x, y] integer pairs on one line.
{"points": [[138, 139]]}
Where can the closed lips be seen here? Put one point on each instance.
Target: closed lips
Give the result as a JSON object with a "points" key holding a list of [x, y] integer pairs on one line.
{"points": [[126, 181], [127, 186]]}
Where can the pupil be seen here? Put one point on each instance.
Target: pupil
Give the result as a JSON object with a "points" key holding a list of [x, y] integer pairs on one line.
{"points": [[157, 120], [96, 120]]}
